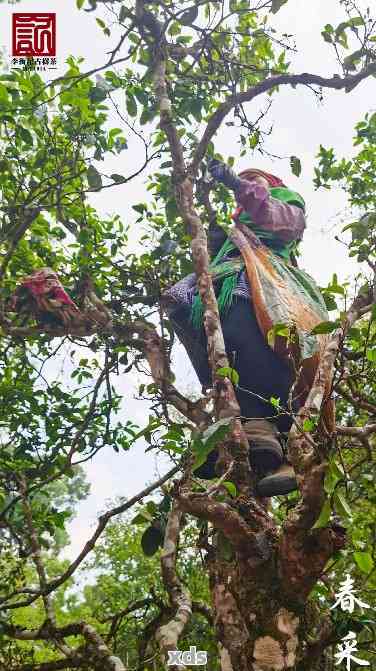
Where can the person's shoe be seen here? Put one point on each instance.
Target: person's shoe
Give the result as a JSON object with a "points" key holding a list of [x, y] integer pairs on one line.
{"points": [[280, 482], [265, 451]]}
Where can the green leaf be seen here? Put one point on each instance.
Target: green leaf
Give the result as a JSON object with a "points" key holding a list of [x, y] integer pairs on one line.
{"points": [[324, 327], [342, 27], [230, 488], [142, 518], [334, 287], [151, 507], [324, 516], [195, 108], [97, 94], [212, 430], [364, 561], [117, 178], [189, 16], [131, 104], [350, 62], [171, 211], [201, 456], [308, 425], [151, 541], [332, 476], [280, 329], [93, 177], [276, 5], [204, 444], [341, 506], [371, 354], [147, 115], [140, 208], [175, 28], [218, 433], [165, 504], [296, 165], [114, 132], [231, 373], [327, 36], [123, 13], [26, 135], [79, 3], [356, 21], [330, 302]]}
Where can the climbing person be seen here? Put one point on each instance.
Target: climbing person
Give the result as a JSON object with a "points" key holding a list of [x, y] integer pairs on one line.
{"points": [[268, 308]]}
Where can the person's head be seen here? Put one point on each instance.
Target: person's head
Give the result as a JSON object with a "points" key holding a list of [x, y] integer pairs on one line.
{"points": [[261, 177]]}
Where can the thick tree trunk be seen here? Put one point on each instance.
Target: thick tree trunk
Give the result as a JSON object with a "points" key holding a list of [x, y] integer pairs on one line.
{"points": [[260, 594], [260, 628]]}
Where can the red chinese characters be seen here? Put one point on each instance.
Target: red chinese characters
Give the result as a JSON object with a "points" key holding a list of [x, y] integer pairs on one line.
{"points": [[34, 34]]}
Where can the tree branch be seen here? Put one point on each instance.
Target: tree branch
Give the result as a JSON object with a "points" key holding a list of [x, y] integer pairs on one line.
{"points": [[57, 665], [97, 650], [241, 528], [102, 523], [168, 634], [148, 341], [226, 404], [36, 554], [359, 432], [304, 552], [356, 400], [336, 82], [302, 451]]}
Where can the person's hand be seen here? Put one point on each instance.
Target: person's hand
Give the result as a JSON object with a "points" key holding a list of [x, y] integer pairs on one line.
{"points": [[221, 172], [217, 169]]}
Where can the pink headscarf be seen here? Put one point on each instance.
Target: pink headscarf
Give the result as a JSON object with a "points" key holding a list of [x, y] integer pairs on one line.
{"points": [[272, 180]]}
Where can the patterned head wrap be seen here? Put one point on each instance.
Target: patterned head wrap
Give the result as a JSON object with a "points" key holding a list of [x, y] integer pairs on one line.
{"points": [[272, 180], [45, 283], [41, 294]]}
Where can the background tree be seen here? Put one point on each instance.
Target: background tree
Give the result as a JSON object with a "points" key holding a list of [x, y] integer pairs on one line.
{"points": [[176, 74]]}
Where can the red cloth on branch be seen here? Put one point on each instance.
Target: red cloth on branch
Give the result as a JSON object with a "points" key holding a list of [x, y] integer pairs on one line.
{"points": [[45, 282], [43, 295]]}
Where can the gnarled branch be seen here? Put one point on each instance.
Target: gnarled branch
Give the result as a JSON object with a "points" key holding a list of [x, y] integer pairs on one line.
{"points": [[306, 79], [168, 634]]}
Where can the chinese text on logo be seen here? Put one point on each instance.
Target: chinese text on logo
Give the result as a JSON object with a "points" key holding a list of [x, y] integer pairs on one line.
{"points": [[34, 34]]}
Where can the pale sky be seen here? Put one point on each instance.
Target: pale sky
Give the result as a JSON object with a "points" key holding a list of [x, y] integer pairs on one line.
{"points": [[300, 125]]}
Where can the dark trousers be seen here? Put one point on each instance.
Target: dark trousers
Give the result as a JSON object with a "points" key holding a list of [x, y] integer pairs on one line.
{"points": [[262, 373]]}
